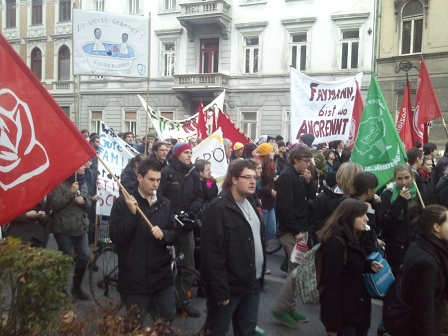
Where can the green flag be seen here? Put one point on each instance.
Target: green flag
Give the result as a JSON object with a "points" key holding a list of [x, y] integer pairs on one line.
{"points": [[378, 147]]}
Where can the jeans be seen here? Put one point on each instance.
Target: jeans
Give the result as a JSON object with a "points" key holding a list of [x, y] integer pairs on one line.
{"points": [[242, 311], [270, 223], [66, 243], [158, 305], [186, 247]]}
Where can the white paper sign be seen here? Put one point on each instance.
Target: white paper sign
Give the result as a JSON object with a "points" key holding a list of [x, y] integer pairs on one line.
{"points": [[110, 44], [116, 154], [323, 109]]}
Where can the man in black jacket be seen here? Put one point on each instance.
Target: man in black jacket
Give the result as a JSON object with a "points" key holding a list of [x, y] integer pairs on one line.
{"points": [[144, 263], [233, 254], [181, 185]]}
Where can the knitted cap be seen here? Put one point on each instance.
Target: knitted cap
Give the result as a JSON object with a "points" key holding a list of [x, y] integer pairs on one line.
{"points": [[151, 135], [237, 146], [180, 147], [307, 139], [264, 149]]}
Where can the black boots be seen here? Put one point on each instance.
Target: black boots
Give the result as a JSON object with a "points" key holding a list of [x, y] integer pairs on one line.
{"points": [[77, 291]]}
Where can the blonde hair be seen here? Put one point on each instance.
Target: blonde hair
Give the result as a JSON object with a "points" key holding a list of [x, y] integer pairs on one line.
{"points": [[346, 174], [275, 147]]}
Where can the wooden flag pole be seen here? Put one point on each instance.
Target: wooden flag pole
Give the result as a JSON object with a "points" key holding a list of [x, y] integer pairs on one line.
{"points": [[147, 91], [444, 125], [419, 195], [125, 192]]}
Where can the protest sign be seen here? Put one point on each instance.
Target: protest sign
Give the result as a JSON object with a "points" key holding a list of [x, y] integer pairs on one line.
{"points": [[212, 149], [323, 109], [116, 154], [110, 44]]}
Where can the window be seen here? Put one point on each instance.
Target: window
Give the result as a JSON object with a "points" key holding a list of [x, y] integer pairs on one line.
{"points": [[99, 5], [130, 122], [95, 121], [412, 27], [169, 5], [36, 12], [298, 47], [134, 6], [251, 50], [249, 122], [168, 115], [168, 58], [286, 125], [66, 109], [65, 10], [10, 13], [209, 56], [36, 62], [64, 63], [349, 48]]}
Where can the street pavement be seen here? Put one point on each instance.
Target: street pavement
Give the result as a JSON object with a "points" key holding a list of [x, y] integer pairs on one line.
{"points": [[274, 282]]}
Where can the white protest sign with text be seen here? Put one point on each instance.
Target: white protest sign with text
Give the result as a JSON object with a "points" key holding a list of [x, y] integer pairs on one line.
{"points": [[116, 154], [323, 109]]}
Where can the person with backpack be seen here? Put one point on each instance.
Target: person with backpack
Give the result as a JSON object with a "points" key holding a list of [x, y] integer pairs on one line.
{"points": [[424, 277], [345, 303]]}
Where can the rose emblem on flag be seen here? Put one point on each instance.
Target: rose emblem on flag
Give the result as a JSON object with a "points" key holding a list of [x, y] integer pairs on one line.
{"points": [[21, 154]]}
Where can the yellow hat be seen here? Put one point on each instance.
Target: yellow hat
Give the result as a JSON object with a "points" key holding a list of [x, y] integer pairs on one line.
{"points": [[237, 146], [264, 149]]}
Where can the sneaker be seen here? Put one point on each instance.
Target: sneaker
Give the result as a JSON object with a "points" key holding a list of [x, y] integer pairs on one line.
{"points": [[267, 271], [285, 319], [299, 318], [189, 311], [260, 332]]}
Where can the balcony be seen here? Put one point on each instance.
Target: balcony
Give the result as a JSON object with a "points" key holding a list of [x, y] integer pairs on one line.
{"points": [[210, 12], [193, 82], [63, 85]]}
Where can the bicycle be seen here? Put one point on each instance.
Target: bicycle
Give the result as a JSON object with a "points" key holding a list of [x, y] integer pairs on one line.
{"points": [[273, 245]]}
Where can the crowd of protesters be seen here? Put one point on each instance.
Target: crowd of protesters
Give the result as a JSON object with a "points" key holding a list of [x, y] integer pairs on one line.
{"points": [[302, 193]]}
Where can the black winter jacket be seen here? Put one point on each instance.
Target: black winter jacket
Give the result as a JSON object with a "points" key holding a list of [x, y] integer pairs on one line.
{"points": [[227, 249], [396, 232], [180, 183], [424, 283], [291, 206], [128, 179], [144, 263], [344, 300]]}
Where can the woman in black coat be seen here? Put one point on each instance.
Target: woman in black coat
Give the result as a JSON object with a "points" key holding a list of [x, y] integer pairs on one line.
{"points": [[344, 301], [425, 271]]}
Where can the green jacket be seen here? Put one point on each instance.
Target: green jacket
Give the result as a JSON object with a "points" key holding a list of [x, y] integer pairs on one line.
{"points": [[321, 164], [69, 217]]}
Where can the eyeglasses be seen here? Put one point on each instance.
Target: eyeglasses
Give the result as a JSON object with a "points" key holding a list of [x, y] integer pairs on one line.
{"points": [[306, 160], [249, 177]]}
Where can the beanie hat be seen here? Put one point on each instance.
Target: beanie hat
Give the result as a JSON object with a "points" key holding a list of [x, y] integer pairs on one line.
{"points": [[264, 149], [262, 139], [307, 139], [237, 146], [151, 135], [278, 138], [180, 147]]}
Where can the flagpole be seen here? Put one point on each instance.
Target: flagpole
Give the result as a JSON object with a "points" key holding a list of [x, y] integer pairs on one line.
{"points": [[125, 192], [147, 89], [418, 193]]}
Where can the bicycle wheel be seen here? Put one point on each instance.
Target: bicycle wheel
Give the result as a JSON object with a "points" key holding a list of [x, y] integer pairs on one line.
{"points": [[197, 290], [103, 277], [273, 245]]}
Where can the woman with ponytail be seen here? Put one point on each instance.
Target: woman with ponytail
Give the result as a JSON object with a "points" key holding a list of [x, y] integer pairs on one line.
{"points": [[425, 270], [395, 202]]}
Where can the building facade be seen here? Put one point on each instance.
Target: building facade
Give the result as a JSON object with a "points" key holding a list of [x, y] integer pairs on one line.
{"points": [[198, 49], [408, 29]]}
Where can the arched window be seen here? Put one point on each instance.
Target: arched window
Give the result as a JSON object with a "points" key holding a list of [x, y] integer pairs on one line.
{"points": [[36, 62], [64, 63], [412, 27]]}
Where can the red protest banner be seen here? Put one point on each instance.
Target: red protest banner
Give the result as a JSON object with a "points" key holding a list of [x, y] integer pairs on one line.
{"points": [[39, 145], [404, 121]]}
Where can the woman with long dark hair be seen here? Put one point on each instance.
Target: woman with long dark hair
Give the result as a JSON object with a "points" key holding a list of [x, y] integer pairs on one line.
{"points": [[345, 302], [249, 151], [128, 177]]}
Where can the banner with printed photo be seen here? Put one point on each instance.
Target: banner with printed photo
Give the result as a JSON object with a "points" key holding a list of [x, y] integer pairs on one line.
{"points": [[110, 44], [116, 154], [322, 108], [212, 149]]}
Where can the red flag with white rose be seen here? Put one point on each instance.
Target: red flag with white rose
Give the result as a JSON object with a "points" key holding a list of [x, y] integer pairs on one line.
{"points": [[39, 145]]}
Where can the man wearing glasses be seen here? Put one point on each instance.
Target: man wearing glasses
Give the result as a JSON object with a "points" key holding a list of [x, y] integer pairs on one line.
{"points": [[233, 254], [160, 151]]}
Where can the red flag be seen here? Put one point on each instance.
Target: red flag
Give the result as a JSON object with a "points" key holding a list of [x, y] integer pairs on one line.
{"points": [[202, 128], [358, 107], [230, 130], [404, 121], [426, 105], [39, 145]]}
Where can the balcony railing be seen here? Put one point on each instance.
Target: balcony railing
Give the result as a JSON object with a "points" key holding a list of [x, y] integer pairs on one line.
{"points": [[64, 85], [201, 80], [205, 7]]}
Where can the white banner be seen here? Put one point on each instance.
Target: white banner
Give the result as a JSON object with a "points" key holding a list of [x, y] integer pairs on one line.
{"points": [[212, 149], [110, 44], [322, 108], [116, 154]]}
